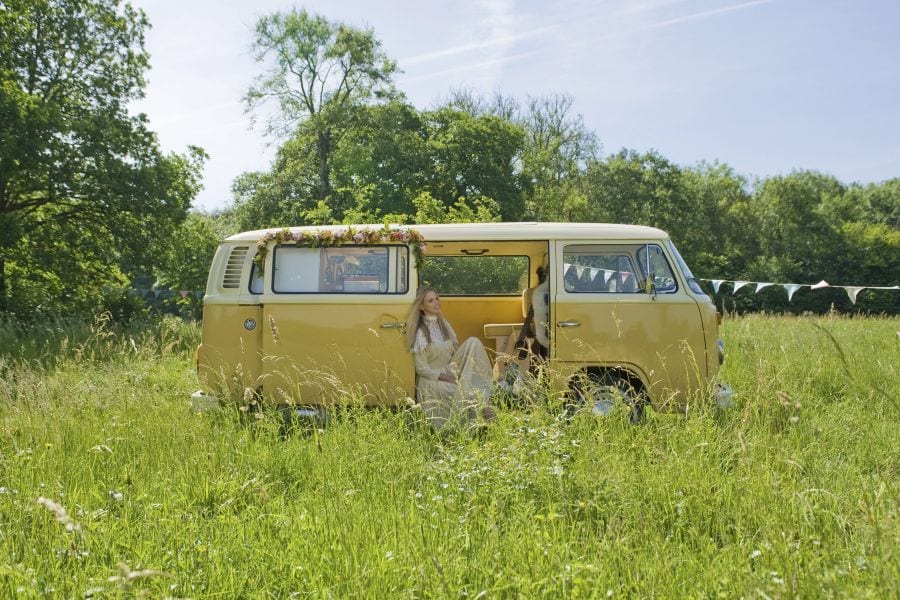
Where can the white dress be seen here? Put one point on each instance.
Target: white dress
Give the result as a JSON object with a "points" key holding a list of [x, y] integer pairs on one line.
{"points": [[445, 403]]}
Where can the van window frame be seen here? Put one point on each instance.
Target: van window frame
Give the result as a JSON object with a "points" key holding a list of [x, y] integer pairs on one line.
{"points": [[629, 249], [526, 272]]}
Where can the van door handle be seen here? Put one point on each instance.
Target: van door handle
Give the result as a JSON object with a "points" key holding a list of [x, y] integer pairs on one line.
{"points": [[568, 323], [393, 325]]}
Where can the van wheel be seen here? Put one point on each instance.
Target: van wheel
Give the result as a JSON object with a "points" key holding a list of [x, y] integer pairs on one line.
{"points": [[600, 394]]}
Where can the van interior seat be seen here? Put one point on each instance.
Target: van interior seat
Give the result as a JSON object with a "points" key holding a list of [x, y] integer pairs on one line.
{"points": [[527, 295]]}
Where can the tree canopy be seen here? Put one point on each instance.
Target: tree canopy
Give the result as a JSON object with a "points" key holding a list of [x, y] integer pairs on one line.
{"points": [[89, 202], [319, 72], [86, 194]]}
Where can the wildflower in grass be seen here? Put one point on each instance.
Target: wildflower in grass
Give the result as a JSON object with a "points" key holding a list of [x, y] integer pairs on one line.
{"points": [[126, 575], [116, 496], [60, 513]]}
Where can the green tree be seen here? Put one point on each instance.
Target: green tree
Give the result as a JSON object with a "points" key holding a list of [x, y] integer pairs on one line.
{"points": [[382, 163], [639, 188], [479, 210], [186, 264], [789, 234], [84, 186], [710, 240], [474, 156], [319, 73], [558, 147]]}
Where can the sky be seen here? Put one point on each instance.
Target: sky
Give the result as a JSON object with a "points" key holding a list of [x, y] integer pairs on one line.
{"points": [[765, 86]]}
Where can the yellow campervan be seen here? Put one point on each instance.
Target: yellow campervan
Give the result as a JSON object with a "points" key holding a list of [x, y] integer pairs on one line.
{"points": [[297, 315]]}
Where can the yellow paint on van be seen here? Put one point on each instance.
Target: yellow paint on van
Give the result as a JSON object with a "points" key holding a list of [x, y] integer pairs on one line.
{"points": [[320, 348]]}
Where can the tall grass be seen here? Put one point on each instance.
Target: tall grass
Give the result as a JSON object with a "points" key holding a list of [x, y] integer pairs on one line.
{"points": [[793, 492]]}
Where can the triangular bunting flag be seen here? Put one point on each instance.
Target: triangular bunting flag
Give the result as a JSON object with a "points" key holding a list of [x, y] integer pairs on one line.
{"points": [[760, 286], [566, 267], [820, 285], [625, 275], [716, 283], [606, 276], [791, 288], [184, 293], [579, 270], [852, 292], [594, 273], [738, 285]]}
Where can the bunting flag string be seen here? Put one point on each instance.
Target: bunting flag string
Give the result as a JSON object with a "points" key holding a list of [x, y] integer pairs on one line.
{"points": [[792, 288], [593, 272]]}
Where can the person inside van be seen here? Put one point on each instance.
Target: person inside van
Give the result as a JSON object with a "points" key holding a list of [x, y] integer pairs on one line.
{"points": [[453, 382], [534, 337]]}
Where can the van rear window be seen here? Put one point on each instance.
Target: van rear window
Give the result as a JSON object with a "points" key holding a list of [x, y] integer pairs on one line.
{"points": [[476, 275], [341, 270]]}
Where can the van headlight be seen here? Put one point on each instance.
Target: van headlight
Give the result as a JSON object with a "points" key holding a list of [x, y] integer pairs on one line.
{"points": [[721, 352]]}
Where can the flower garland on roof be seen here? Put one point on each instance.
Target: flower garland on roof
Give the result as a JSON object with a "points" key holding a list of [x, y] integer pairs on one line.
{"points": [[326, 237]]}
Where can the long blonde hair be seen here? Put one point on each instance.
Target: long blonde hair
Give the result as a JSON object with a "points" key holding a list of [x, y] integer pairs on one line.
{"points": [[415, 321]]}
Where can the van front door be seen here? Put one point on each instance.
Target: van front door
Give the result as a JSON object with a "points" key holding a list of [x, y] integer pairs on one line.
{"points": [[605, 314], [334, 325]]}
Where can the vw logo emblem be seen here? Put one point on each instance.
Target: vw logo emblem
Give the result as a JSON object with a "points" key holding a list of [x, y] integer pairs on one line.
{"points": [[250, 324]]}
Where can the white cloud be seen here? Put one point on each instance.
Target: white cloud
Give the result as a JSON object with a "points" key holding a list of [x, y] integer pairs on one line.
{"points": [[472, 67], [499, 41], [706, 14]]}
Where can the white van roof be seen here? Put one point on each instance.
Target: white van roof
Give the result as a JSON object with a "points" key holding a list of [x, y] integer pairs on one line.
{"points": [[492, 231]]}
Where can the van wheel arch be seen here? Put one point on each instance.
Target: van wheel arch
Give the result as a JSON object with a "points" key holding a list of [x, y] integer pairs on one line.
{"points": [[595, 387]]}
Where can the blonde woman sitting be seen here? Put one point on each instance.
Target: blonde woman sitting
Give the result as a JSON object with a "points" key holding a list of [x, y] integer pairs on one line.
{"points": [[454, 380]]}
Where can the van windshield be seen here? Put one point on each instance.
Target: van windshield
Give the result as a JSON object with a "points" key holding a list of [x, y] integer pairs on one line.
{"points": [[685, 270]]}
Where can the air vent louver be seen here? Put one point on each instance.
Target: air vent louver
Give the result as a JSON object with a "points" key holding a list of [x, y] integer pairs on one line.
{"points": [[234, 267]]}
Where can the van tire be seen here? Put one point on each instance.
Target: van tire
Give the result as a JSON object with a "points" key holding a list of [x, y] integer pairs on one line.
{"points": [[601, 393]]}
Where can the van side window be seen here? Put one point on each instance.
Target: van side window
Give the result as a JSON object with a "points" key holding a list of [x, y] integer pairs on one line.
{"points": [[476, 275], [256, 280], [652, 263], [619, 269], [340, 270]]}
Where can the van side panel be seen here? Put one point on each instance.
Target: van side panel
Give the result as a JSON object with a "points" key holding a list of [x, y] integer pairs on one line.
{"points": [[229, 357], [658, 338], [709, 320], [229, 360], [326, 349]]}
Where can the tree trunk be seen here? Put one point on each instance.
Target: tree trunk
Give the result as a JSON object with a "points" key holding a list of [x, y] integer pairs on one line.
{"points": [[324, 149]]}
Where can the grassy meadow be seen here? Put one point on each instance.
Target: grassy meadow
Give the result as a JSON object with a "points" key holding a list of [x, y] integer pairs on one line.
{"points": [[110, 487]]}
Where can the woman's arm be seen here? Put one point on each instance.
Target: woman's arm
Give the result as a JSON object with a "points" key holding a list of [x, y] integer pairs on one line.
{"points": [[423, 369]]}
